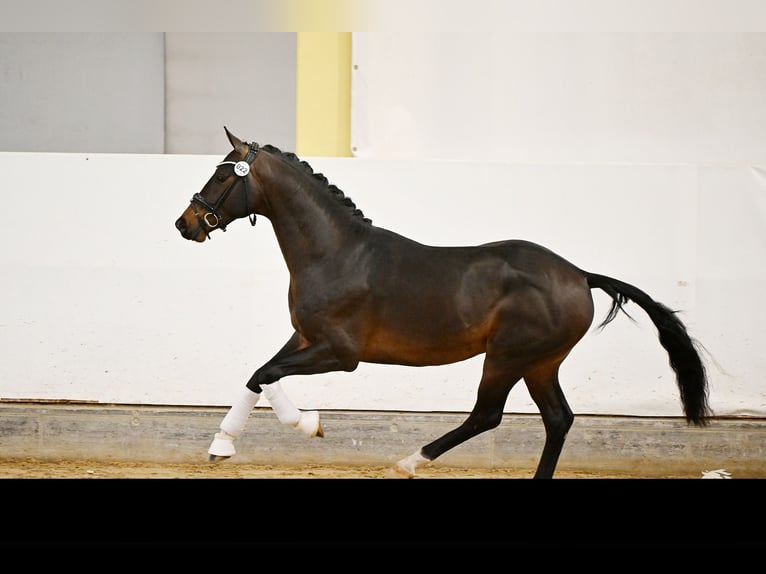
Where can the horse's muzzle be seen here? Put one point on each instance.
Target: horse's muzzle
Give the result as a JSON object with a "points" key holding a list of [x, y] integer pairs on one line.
{"points": [[186, 233], [181, 226]]}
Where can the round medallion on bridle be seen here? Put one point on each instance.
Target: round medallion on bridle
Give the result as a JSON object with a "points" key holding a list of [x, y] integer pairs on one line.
{"points": [[241, 168]]}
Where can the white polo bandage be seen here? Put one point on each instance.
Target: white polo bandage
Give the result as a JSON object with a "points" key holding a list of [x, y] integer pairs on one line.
{"points": [[286, 411], [235, 420]]}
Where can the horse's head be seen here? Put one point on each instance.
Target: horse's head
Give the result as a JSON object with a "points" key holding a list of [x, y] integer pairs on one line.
{"points": [[228, 195]]}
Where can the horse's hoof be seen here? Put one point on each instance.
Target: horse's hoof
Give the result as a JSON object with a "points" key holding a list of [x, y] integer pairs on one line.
{"points": [[399, 472], [309, 425], [217, 458], [222, 446]]}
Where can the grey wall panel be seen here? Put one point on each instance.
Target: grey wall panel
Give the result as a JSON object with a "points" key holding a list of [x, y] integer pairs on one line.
{"points": [[82, 92], [243, 81]]}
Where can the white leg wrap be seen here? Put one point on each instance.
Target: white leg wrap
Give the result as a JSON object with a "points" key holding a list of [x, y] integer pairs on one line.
{"points": [[235, 420], [233, 424], [286, 411], [305, 421]]}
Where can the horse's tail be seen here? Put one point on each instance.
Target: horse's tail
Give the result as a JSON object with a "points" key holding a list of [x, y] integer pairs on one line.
{"points": [[682, 349]]}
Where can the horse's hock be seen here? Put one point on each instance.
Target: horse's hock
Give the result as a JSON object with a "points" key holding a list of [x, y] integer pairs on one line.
{"points": [[641, 447]]}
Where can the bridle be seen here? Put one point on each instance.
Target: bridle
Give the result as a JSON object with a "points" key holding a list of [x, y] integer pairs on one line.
{"points": [[241, 168]]}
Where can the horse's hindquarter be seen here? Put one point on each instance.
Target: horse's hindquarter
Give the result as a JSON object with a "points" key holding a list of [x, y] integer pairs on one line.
{"points": [[438, 305]]}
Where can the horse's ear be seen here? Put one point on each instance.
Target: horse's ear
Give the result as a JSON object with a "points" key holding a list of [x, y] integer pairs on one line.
{"points": [[234, 140]]}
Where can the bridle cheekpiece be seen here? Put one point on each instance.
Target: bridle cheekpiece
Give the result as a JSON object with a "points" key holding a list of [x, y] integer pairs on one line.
{"points": [[241, 170]]}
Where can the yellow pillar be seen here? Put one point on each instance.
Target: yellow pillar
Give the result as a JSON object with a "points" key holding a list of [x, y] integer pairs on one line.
{"points": [[323, 94]]}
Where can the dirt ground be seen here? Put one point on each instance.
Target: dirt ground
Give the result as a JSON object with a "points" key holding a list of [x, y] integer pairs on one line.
{"points": [[35, 468]]}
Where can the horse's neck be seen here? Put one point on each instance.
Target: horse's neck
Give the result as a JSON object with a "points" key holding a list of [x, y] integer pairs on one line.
{"points": [[307, 220]]}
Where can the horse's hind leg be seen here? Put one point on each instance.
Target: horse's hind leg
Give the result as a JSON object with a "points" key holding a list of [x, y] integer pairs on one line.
{"points": [[543, 384], [486, 414]]}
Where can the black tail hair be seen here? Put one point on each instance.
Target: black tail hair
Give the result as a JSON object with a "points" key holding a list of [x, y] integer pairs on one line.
{"points": [[682, 351]]}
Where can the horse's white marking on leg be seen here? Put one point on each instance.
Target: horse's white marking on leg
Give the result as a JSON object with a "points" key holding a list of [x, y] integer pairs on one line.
{"points": [[305, 421], [405, 468], [233, 424]]}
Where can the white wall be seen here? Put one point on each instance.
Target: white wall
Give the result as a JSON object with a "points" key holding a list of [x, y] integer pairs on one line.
{"points": [[599, 97], [104, 301]]}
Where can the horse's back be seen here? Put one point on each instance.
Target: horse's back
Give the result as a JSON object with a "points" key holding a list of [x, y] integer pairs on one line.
{"points": [[505, 265]]}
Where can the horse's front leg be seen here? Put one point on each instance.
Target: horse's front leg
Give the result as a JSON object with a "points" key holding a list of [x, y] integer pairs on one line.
{"points": [[292, 359], [235, 420]]}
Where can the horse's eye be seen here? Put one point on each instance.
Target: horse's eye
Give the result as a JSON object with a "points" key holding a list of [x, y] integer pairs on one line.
{"points": [[221, 177]]}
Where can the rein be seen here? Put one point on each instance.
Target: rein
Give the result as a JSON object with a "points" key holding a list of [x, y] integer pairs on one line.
{"points": [[241, 169]]}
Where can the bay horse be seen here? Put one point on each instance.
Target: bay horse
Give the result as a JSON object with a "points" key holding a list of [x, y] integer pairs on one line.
{"points": [[361, 293]]}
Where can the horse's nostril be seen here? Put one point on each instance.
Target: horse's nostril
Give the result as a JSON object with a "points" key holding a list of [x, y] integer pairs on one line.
{"points": [[180, 224]]}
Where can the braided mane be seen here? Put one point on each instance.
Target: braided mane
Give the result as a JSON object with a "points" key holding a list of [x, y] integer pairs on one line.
{"points": [[331, 188]]}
